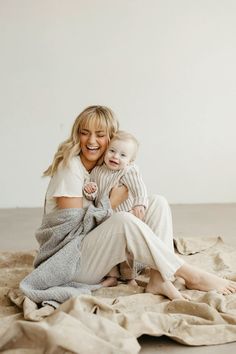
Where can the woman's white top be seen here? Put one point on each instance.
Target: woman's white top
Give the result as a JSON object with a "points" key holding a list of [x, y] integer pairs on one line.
{"points": [[68, 181]]}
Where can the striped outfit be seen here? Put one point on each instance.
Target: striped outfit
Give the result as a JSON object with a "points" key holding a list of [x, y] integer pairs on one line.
{"points": [[130, 177]]}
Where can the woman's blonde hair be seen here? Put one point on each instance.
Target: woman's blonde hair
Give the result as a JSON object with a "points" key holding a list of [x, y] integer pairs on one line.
{"points": [[100, 116]]}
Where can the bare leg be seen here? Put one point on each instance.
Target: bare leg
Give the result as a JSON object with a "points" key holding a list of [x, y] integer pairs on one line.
{"points": [[198, 279], [113, 281], [109, 281], [132, 282], [111, 278], [159, 286]]}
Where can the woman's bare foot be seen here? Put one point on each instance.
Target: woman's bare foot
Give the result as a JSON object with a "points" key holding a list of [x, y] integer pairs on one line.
{"points": [[198, 279], [109, 281], [132, 282], [158, 286]]}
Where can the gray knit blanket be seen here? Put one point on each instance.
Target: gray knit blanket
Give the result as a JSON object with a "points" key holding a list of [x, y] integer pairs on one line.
{"points": [[58, 259]]}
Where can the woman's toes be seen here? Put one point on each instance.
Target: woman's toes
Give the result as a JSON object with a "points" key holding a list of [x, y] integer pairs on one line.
{"points": [[223, 292], [231, 289], [186, 297], [226, 292]]}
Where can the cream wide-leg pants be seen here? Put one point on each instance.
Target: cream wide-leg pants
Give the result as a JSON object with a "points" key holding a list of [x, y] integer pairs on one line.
{"points": [[149, 242]]}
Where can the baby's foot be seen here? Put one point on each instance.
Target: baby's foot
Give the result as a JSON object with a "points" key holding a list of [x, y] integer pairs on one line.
{"points": [[109, 281]]}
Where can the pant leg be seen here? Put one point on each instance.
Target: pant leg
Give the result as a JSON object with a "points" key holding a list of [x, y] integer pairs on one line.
{"points": [[112, 241], [158, 217]]}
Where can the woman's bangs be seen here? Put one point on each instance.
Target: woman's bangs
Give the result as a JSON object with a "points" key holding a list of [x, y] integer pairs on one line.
{"points": [[99, 122]]}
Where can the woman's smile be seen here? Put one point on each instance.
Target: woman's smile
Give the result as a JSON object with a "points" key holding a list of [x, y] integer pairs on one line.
{"points": [[93, 148], [93, 143]]}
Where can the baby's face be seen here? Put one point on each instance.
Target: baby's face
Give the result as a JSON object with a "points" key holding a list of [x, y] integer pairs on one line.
{"points": [[119, 154]]}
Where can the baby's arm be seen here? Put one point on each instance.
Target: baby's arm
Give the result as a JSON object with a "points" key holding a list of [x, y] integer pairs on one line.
{"points": [[90, 190], [90, 187]]}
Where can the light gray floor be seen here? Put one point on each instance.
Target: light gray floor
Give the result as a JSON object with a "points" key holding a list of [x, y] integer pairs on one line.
{"points": [[17, 228]]}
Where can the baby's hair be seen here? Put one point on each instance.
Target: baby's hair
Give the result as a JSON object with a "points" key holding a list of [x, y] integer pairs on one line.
{"points": [[125, 136]]}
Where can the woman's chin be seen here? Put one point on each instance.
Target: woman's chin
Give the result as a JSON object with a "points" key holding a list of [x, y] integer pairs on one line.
{"points": [[91, 153], [92, 156]]}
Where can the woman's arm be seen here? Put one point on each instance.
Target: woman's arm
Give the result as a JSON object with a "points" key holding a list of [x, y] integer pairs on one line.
{"points": [[118, 195], [69, 202]]}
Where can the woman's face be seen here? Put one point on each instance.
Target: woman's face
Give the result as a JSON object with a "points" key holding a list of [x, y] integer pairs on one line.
{"points": [[93, 143]]}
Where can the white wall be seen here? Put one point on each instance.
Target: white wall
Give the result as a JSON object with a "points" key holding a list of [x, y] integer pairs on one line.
{"points": [[166, 67]]}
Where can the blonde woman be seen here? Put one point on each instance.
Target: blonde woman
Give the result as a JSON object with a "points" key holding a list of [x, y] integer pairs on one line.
{"points": [[73, 260]]}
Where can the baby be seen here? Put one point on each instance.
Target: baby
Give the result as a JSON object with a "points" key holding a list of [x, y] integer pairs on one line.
{"points": [[118, 168]]}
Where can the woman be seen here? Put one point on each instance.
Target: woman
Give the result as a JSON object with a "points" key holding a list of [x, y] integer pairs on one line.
{"points": [[122, 235]]}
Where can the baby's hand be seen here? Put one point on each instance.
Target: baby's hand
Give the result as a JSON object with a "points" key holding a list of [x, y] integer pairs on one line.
{"points": [[138, 211], [90, 187]]}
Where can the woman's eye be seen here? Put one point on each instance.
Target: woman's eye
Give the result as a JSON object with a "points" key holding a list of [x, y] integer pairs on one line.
{"points": [[101, 135], [123, 155], [84, 133], [111, 150]]}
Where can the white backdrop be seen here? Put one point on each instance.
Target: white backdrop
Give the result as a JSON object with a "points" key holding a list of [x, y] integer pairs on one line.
{"points": [[166, 67]]}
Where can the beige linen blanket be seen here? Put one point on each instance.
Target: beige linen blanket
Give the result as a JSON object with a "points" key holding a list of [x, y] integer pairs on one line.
{"points": [[111, 320]]}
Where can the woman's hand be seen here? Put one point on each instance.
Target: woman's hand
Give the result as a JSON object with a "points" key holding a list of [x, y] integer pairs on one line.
{"points": [[118, 195], [138, 211]]}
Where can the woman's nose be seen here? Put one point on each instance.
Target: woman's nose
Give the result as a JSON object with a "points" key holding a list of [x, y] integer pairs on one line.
{"points": [[92, 138]]}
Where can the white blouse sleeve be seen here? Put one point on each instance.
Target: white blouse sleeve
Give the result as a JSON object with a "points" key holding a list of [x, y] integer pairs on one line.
{"points": [[68, 180]]}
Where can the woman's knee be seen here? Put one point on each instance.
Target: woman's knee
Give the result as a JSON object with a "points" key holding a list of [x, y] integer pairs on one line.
{"points": [[159, 201], [122, 217]]}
